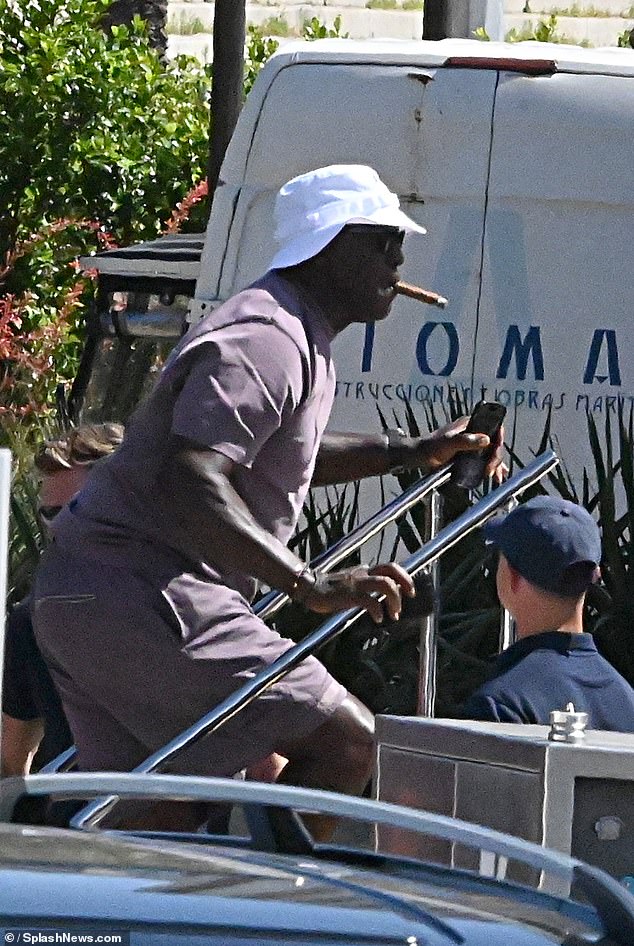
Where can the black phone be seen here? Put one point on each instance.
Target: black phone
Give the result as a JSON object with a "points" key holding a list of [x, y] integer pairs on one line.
{"points": [[468, 468]]}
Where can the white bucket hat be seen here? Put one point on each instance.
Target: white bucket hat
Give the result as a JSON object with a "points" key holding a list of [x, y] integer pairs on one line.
{"points": [[310, 210]]}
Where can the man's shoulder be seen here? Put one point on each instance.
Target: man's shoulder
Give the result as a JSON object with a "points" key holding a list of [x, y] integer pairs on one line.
{"points": [[543, 653], [503, 681], [519, 656], [515, 672], [267, 304]]}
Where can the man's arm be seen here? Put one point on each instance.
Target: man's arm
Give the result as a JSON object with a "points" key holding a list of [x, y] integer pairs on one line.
{"points": [[344, 457], [22, 724], [489, 709], [21, 739], [211, 521], [207, 519]]}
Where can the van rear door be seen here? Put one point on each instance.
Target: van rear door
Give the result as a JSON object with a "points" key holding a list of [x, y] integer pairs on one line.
{"points": [[437, 161], [427, 131], [554, 323]]}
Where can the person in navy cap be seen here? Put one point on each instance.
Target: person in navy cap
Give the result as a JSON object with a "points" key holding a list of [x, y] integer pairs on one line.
{"points": [[549, 553]]}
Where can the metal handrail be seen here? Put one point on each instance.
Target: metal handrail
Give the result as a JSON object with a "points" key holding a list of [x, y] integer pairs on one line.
{"points": [[326, 561], [61, 763], [92, 814], [428, 632], [269, 605], [506, 630]]}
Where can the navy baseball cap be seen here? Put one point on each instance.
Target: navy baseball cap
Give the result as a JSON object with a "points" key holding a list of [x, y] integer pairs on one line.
{"points": [[552, 543]]}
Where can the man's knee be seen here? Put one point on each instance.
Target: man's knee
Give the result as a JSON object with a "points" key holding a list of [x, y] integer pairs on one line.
{"points": [[353, 730], [345, 740]]}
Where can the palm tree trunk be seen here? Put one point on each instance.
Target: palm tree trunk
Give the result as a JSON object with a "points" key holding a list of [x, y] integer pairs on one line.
{"points": [[227, 81]]}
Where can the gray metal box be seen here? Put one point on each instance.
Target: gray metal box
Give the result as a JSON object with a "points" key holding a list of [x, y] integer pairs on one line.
{"points": [[578, 799]]}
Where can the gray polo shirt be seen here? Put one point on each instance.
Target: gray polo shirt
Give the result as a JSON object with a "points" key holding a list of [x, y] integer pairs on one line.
{"points": [[253, 380]]}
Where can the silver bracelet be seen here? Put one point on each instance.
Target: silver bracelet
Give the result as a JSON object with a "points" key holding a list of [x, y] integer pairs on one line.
{"points": [[394, 444], [305, 572]]}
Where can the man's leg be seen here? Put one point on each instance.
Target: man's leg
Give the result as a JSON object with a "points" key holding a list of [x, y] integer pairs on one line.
{"points": [[120, 664], [337, 756], [266, 770]]}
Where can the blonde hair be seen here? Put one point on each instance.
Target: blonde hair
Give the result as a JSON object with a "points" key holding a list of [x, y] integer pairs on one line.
{"points": [[81, 446]]}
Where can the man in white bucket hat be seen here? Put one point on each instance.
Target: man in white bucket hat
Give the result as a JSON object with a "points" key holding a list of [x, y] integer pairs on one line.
{"points": [[312, 209], [200, 500]]}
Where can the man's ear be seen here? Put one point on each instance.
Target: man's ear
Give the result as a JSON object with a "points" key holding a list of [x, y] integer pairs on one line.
{"points": [[515, 579]]}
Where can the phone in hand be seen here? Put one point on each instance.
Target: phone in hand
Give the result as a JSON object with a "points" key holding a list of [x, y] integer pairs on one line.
{"points": [[468, 468]]}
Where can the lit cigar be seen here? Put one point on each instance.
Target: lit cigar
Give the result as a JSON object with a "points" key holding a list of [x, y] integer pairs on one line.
{"points": [[421, 295]]}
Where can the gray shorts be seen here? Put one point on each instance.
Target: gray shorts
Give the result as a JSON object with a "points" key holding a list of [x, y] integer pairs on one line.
{"points": [[136, 663]]}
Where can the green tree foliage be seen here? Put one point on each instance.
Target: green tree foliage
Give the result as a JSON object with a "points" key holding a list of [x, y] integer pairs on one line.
{"points": [[259, 48], [315, 29], [98, 142], [92, 125], [101, 145]]}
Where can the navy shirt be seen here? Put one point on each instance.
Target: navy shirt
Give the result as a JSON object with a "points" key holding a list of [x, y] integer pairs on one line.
{"points": [[28, 691], [545, 672]]}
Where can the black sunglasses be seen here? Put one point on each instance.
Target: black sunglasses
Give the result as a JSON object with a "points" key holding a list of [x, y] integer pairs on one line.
{"points": [[386, 240]]}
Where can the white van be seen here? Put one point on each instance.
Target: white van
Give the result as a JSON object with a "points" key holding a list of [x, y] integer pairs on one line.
{"points": [[519, 161]]}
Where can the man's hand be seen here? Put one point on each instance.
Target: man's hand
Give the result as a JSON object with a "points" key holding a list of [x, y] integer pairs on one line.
{"points": [[360, 587], [443, 444], [347, 456]]}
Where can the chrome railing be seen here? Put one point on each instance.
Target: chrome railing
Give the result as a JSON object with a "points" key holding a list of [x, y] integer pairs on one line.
{"points": [[224, 790], [269, 605], [506, 635], [91, 815], [352, 542], [428, 644]]}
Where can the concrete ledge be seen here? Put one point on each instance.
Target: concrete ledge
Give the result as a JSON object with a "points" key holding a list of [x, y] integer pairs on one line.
{"points": [[182, 16], [199, 45], [583, 9], [317, 4], [359, 22], [406, 24], [598, 31]]}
